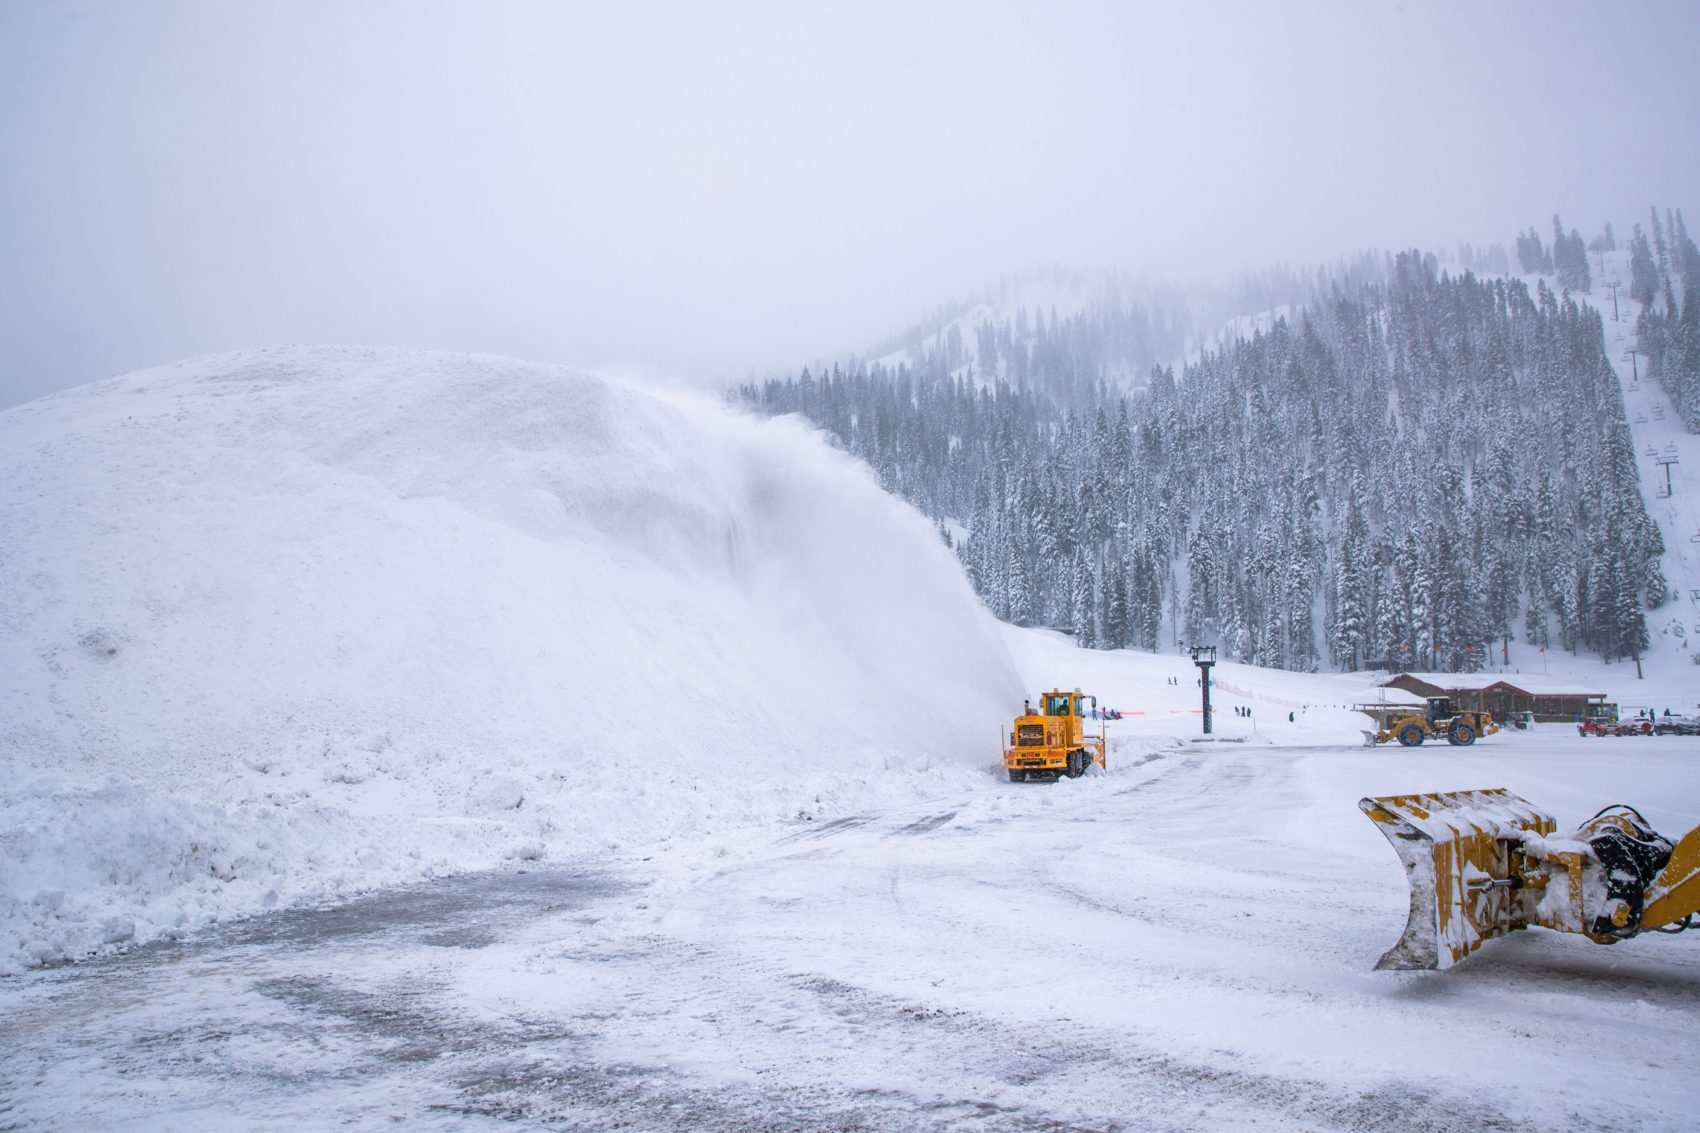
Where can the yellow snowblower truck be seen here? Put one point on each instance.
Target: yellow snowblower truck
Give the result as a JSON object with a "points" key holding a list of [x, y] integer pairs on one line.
{"points": [[1052, 741], [1485, 863], [1439, 719]]}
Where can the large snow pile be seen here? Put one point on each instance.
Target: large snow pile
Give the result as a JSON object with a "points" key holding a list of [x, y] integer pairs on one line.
{"points": [[279, 624]]}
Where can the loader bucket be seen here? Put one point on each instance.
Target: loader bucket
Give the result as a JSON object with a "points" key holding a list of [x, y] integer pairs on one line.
{"points": [[1457, 848], [1675, 893]]}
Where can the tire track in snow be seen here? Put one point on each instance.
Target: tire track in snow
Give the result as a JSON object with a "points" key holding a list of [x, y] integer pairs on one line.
{"points": [[1158, 1081]]}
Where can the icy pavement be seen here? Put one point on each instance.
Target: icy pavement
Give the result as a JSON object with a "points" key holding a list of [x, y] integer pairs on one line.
{"points": [[1182, 944]]}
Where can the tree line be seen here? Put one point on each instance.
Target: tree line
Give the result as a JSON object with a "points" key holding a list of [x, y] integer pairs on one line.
{"points": [[1411, 467], [1668, 329]]}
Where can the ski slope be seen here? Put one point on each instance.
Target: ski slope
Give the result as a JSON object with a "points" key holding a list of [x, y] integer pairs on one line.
{"points": [[1668, 458]]}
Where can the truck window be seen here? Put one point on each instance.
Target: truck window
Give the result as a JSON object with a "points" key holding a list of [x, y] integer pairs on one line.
{"points": [[1057, 706]]}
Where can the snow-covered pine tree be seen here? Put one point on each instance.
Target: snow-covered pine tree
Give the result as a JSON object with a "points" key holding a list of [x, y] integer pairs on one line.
{"points": [[1661, 250], [1083, 602], [1117, 631], [1201, 570], [1643, 271]]}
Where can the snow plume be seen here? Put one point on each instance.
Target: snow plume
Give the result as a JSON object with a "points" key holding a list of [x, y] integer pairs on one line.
{"points": [[285, 623]]}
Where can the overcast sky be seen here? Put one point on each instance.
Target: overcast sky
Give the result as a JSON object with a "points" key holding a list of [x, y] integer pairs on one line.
{"points": [[698, 189]]}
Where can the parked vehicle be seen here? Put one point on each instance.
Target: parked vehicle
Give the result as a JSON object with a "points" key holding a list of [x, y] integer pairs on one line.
{"points": [[1676, 726], [1598, 720]]}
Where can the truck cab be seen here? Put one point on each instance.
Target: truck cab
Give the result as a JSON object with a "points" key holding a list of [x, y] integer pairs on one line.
{"points": [[1439, 708]]}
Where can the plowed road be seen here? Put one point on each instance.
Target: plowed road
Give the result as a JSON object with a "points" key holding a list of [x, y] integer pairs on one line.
{"points": [[1185, 943]]}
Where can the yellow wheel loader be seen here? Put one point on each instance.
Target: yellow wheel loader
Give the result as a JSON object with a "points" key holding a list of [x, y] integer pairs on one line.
{"points": [[1439, 719], [1485, 863], [1052, 742]]}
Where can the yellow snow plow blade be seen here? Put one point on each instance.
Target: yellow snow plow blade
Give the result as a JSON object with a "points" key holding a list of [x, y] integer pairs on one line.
{"points": [[1484, 863], [1675, 893], [1462, 853]]}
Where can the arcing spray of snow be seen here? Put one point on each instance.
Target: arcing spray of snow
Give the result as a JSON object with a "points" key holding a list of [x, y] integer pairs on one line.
{"points": [[280, 624]]}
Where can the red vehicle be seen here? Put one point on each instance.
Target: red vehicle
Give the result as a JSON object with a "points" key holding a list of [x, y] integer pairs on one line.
{"points": [[1603, 720], [1598, 720]]}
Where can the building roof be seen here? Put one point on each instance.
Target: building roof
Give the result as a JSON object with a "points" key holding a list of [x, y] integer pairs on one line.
{"points": [[1535, 684], [1384, 694], [1538, 684]]}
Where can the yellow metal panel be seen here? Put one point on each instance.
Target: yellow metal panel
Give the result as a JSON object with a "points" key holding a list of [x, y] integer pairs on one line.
{"points": [[1675, 893], [1459, 850]]}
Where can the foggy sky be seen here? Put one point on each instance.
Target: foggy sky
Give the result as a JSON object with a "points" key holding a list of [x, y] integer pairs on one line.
{"points": [[691, 190]]}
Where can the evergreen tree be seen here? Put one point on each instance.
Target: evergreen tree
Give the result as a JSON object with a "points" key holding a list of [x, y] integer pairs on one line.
{"points": [[1019, 586], [1083, 603], [1201, 619], [1570, 257], [1643, 272], [1535, 630], [1500, 608], [1532, 255], [1145, 598], [1686, 254], [1116, 630]]}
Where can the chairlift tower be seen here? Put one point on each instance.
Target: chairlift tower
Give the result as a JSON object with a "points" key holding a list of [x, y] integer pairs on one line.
{"points": [[1204, 656], [1665, 460]]}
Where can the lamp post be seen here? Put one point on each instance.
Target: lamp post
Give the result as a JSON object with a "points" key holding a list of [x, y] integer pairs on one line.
{"points": [[1204, 656]]}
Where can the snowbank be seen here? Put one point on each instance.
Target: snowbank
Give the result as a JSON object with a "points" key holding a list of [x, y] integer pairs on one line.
{"points": [[284, 623]]}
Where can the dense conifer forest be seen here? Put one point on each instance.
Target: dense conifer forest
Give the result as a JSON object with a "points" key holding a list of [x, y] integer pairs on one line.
{"points": [[1412, 465], [1668, 331]]}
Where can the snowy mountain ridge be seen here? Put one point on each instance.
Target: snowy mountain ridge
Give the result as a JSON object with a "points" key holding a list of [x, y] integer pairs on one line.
{"points": [[1415, 467]]}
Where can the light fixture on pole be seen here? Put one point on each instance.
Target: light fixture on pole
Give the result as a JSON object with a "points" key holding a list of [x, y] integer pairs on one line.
{"points": [[1204, 656]]}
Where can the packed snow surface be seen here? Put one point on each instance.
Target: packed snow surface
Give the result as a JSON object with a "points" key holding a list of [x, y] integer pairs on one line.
{"points": [[285, 623], [1185, 942]]}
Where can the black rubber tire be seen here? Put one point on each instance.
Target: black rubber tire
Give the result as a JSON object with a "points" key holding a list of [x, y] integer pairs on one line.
{"points": [[1460, 735], [1017, 776], [1076, 764], [1411, 736]]}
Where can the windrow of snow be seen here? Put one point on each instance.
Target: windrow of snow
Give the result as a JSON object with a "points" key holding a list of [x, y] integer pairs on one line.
{"points": [[286, 623]]}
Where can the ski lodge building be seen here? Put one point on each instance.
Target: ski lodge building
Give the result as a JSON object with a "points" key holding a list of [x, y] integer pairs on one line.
{"points": [[1551, 700]]}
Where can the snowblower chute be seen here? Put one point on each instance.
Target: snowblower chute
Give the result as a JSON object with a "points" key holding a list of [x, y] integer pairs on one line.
{"points": [[1483, 863]]}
